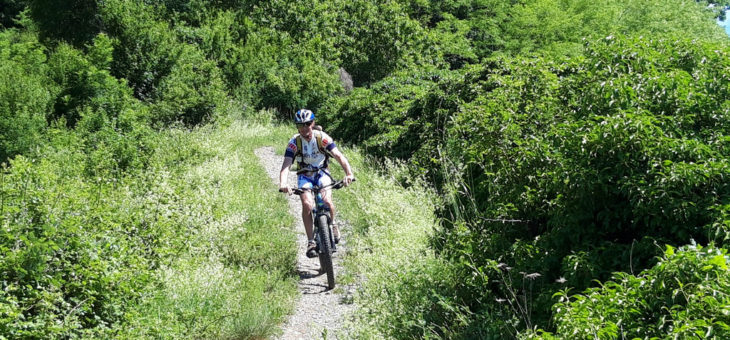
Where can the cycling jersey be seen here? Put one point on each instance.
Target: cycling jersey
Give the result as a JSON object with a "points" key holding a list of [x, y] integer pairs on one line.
{"points": [[312, 157]]}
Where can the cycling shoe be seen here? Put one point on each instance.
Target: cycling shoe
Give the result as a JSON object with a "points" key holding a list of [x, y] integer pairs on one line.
{"points": [[311, 250]]}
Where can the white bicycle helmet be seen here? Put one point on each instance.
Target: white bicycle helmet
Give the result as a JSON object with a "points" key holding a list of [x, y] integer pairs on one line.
{"points": [[303, 116]]}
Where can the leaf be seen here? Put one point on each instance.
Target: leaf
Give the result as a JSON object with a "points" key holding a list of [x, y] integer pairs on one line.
{"points": [[719, 261]]}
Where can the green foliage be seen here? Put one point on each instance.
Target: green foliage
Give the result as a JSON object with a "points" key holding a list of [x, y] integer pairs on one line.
{"points": [[464, 28], [292, 78], [408, 292], [264, 67], [685, 295], [191, 92], [568, 170], [27, 93], [86, 86], [67, 86], [70, 264], [115, 145], [176, 78], [231, 273], [101, 52], [369, 39], [385, 117], [450, 40], [597, 163], [718, 8], [222, 38], [378, 38], [559, 27], [173, 250]]}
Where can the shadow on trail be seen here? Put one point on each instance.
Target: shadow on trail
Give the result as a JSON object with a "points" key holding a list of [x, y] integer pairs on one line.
{"points": [[306, 274], [310, 288]]}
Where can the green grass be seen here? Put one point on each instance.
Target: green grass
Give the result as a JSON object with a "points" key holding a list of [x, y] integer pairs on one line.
{"points": [[388, 252], [234, 278]]}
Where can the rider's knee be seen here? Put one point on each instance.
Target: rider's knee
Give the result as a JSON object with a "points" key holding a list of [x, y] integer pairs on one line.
{"points": [[307, 204], [329, 203]]}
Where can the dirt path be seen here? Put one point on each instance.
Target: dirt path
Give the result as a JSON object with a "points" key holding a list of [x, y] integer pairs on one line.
{"points": [[320, 313]]}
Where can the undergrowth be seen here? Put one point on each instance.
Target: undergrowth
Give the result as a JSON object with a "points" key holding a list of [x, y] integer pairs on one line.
{"points": [[234, 276], [387, 254], [187, 242]]}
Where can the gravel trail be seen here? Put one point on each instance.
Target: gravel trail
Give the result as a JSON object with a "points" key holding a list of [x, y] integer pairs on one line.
{"points": [[320, 313]]}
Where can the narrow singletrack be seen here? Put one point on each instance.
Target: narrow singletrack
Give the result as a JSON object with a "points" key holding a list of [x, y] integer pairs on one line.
{"points": [[319, 313]]}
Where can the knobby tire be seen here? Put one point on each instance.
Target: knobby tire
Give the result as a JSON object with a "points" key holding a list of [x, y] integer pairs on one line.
{"points": [[325, 254]]}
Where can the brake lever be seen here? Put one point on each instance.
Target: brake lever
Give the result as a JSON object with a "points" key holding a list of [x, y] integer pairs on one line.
{"points": [[341, 184]]}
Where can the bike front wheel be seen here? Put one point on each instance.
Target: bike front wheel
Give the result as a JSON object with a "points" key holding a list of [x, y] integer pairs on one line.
{"points": [[325, 250]]}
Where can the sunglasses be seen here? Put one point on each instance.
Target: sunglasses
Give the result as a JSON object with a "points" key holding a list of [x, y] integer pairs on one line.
{"points": [[303, 124]]}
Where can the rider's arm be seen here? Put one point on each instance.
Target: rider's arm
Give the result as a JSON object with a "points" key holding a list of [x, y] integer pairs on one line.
{"points": [[344, 163], [284, 173]]}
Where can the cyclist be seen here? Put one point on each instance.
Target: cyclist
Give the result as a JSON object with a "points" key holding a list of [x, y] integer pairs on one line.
{"points": [[316, 148]]}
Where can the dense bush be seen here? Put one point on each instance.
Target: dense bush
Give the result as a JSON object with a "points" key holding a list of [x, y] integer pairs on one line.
{"points": [[86, 86], [608, 158], [27, 93], [685, 295], [567, 170], [382, 117], [378, 39], [177, 78], [285, 54], [75, 240], [70, 261], [465, 29], [369, 39], [558, 27], [291, 76]]}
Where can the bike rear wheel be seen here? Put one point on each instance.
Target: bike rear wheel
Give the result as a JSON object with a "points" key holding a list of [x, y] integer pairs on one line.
{"points": [[325, 251]]}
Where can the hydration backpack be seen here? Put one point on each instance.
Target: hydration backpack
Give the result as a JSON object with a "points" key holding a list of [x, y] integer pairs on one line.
{"points": [[317, 131]]}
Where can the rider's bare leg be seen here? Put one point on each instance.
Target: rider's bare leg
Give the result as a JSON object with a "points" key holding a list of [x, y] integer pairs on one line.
{"points": [[307, 205]]}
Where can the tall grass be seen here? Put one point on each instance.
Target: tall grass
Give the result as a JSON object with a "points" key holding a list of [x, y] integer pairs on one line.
{"points": [[234, 278], [388, 254]]}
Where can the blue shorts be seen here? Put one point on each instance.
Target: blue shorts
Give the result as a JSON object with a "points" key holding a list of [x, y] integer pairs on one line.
{"points": [[320, 178]]}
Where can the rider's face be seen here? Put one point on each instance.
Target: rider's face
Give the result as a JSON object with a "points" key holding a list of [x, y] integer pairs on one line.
{"points": [[305, 129]]}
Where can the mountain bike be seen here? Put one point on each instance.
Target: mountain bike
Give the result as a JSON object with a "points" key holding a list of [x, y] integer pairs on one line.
{"points": [[323, 230]]}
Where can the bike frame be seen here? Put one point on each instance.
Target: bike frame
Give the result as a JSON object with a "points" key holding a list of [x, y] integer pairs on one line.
{"points": [[320, 208], [323, 233]]}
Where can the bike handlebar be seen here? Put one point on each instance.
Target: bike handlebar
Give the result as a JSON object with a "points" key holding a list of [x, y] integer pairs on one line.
{"points": [[336, 185]]}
